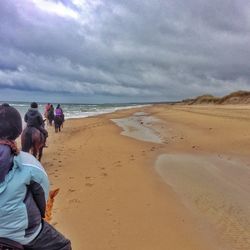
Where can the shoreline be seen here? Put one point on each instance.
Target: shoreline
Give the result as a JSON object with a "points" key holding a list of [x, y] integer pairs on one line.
{"points": [[79, 111], [108, 181]]}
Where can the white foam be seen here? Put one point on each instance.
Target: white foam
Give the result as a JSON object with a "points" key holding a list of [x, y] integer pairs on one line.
{"points": [[96, 111]]}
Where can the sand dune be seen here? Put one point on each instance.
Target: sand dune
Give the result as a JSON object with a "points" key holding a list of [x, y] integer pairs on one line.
{"points": [[238, 97]]}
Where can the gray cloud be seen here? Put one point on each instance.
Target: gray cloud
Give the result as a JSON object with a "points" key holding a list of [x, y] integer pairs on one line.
{"points": [[128, 50]]}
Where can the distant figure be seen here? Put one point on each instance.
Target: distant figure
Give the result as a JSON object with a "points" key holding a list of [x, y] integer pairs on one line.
{"points": [[24, 188], [33, 118], [46, 110], [59, 118], [58, 111], [51, 114]]}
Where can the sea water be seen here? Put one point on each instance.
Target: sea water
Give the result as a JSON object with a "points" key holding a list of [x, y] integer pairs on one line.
{"points": [[77, 110]]}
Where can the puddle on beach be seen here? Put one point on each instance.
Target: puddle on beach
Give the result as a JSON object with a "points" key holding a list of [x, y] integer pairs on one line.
{"points": [[215, 190], [142, 127]]}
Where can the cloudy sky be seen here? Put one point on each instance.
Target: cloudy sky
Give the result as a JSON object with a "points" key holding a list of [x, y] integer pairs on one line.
{"points": [[95, 51]]}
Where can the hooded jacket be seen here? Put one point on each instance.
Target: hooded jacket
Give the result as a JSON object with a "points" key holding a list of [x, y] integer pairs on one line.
{"points": [[24, 188], [33, 118]]}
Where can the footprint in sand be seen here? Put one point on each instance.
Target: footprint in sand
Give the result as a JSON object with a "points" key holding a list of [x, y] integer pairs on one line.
{"points": [[71, 190], [89, 184], [74, 201], [104, 174], [109, 212], [117, 163]]}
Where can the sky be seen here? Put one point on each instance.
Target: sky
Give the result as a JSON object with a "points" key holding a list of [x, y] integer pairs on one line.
{"points": [[99, 51]]}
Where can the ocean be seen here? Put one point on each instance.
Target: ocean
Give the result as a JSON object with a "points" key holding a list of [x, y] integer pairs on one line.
{"points": [[78, 110]]}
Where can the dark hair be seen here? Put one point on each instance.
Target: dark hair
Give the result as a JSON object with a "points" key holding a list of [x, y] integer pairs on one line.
{"points": [[58, 106], [34, 105], [10, 122]]}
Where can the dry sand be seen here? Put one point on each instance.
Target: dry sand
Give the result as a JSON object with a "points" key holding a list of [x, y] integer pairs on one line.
{"points": [[178, 178]]}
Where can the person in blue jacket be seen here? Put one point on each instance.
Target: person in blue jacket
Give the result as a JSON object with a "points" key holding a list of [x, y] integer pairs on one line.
{"points": [[24, 188]]}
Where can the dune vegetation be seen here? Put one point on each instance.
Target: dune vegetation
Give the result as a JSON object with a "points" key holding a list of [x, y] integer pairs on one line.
{"points": [[238, 97]]}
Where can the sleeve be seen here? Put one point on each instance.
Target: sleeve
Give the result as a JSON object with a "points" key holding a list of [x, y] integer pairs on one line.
{"points": [[39, 187], [38, 196]]}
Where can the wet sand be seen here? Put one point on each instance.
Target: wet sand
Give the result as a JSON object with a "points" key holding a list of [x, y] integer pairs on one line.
{"points": [[160, 177], [210, 168], [216, 190]]}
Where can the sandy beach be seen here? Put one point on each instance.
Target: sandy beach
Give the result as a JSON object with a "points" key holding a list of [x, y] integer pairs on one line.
{"points": [[154, 151], [153, 178]]}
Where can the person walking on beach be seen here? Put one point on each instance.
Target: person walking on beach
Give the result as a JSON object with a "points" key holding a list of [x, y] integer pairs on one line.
{"points": [[33, 118], [24, 188]]}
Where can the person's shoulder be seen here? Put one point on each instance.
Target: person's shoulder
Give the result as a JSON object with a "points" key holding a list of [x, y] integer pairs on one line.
{"points": [[24, 159]]}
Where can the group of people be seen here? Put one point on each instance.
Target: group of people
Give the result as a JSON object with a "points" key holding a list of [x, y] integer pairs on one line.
{"points": [[24, 189], [33, 117], [50, 113]]}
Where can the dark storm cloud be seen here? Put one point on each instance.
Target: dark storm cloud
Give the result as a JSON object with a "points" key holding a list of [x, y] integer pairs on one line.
{"points": [[137, 50]]}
